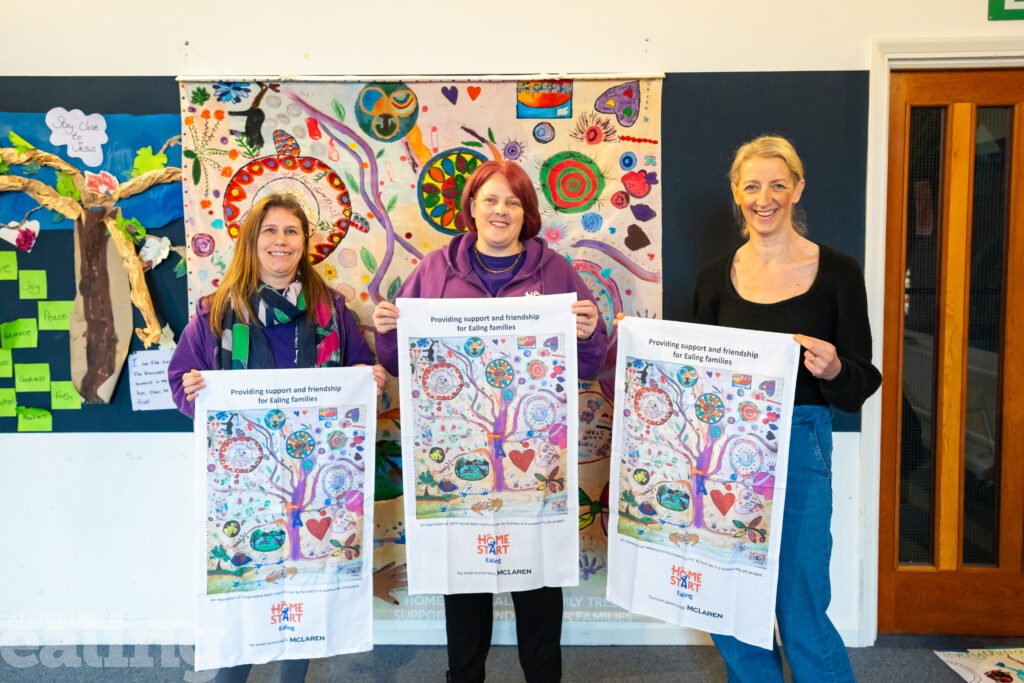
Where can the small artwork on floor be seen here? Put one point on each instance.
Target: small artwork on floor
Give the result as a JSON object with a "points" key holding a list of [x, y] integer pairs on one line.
{"points": [[1003, 664]]}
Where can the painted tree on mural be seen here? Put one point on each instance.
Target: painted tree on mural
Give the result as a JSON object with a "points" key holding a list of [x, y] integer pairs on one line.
{"points": [[484, 406], [107, 266]]}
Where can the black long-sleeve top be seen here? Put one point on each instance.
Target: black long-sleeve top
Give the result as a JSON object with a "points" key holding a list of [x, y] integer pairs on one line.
{"points": [[834, 309]]}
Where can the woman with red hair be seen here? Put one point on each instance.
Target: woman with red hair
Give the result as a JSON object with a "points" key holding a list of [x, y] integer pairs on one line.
{"points": [[500, 255]]}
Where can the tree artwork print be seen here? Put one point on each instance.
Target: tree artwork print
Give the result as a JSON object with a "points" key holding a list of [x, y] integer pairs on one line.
{"points": [[285, 497], [700, 457], [491, 425]]}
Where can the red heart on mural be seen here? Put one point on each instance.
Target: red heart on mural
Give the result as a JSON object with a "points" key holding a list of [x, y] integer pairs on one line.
{"points": [[522, 459], [723, 501], [473, 91], [318, 527]]}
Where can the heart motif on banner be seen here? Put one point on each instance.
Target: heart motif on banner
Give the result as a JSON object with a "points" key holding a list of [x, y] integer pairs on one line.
{"points": [[318, 527], [451, 93], [473, 91], [723, 501], [636, 238], [522, 459], [621, 100]]}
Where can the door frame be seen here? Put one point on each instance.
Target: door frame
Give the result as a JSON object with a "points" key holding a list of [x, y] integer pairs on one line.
{"points": [[887, 55]]}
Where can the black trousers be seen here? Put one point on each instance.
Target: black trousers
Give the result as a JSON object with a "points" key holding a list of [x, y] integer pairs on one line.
{"points": [[469, 618]]}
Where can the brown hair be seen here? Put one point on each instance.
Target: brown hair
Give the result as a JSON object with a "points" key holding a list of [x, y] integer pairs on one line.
{"points": [[243, 274]]}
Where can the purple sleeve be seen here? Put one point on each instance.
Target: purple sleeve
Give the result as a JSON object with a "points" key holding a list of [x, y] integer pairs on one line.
{"points": [[591, 352], [356, 351], [195, 351], [387, 351], [386, 344]]}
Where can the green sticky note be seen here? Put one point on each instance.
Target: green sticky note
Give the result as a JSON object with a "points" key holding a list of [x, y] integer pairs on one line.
{"points": [[54, 315], [32, 284], [19, 334], [6, 364], [31, 376], [34, 420], [8, 402], [64, 396], [8, 265]]}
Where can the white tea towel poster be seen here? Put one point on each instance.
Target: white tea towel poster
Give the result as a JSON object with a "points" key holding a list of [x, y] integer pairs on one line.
{"points": [[284, 514], [489, 443], [700, 443], [981, 665]]}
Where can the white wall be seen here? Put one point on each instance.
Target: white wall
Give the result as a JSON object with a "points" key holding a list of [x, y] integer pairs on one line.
{"points": [[198, 37], [110, 513]]}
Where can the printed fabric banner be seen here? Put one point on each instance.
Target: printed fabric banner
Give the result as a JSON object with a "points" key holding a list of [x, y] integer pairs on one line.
{"points": [[700, 443], [380, 164], [489, 443], [284, 514]]}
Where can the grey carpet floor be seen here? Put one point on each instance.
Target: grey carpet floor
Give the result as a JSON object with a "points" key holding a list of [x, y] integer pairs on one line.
{"points": [[893, 659]]}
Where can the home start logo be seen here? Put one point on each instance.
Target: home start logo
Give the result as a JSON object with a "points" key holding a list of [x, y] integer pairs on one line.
{"points": [[489, 544], [285, 612], [683, 579]]}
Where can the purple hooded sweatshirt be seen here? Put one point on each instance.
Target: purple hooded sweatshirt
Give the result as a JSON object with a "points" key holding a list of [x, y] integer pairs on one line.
{"points": [[449, 273], [197, 347]]}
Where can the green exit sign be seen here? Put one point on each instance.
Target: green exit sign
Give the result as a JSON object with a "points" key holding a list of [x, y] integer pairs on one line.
{"points": [[1002, 10]]}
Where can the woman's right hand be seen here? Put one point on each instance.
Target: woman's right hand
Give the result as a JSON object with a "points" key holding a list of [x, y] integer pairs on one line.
{"points": [[191, 383], [385, 317]]}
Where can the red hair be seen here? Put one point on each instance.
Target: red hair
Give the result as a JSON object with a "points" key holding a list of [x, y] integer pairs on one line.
{"points": [[518, 182]]}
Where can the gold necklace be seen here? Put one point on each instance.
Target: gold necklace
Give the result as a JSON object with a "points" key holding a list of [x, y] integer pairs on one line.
{"points": [[496, 272]]}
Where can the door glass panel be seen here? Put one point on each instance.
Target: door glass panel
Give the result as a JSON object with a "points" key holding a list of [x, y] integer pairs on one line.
{"points": [[921, 299], [988, 269]]}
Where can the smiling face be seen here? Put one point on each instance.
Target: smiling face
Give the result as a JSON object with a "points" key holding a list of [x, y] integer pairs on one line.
{"points": [[280, 246], [766, 193], [498, 215]]}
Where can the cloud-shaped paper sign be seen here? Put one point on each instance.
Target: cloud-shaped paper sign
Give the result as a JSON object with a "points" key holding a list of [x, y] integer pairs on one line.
{"points": [[84, 135]]}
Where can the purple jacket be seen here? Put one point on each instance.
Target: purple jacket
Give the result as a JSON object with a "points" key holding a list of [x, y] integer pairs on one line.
{"points": [[448, 273], [197, 347]]}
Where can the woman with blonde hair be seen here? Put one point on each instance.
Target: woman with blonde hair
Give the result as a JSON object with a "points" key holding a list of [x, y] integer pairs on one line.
{"points": [[780, 281]]}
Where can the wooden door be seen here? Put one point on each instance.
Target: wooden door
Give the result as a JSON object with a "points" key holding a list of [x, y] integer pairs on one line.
{"points": [[951, 524]]}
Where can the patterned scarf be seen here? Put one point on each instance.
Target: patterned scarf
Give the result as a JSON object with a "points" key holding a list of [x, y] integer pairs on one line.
{"points": [[243, 345]]}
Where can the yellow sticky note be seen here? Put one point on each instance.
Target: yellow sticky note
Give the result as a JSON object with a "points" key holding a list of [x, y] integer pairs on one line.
{"points": [[34, 420], [19, 334], [54, 315], [6, 364], [32, 284], [31, 376], [8, 402], [8, 265], [64, 396]]}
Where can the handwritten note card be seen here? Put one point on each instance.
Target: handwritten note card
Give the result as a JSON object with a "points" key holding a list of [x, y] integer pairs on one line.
{"points": [[6, 364], [32, 284], [8, 402], [64, 396], [34, 420], [8, 265], [147, 372], [31, 376], [54, 315], [19, 334]]}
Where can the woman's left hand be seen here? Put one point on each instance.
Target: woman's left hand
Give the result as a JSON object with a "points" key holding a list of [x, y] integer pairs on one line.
{"points": [[380, 377], [819, 357], [587, 318]]}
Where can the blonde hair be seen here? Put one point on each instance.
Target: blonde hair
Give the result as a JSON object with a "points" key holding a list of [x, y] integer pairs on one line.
{"points": [[769, 146], [243, 274]]}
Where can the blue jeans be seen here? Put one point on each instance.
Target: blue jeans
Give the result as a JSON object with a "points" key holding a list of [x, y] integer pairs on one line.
{"points": [[814, 650]]}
